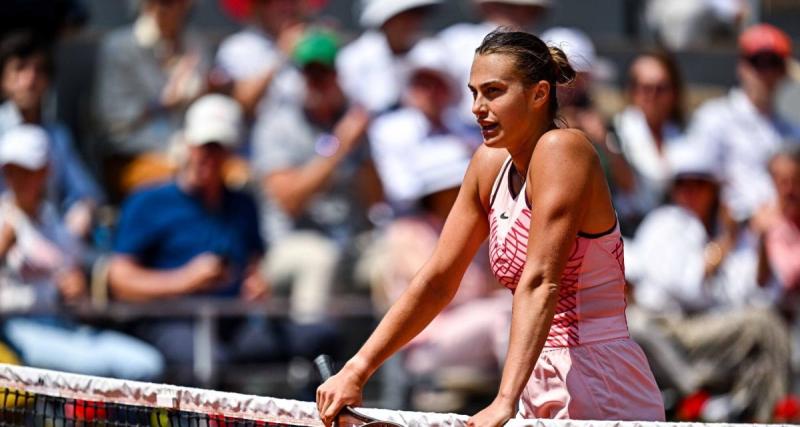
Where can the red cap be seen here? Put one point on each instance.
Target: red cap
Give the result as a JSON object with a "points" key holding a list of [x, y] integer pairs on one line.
{"points": [[765, 38], [239, 10]]}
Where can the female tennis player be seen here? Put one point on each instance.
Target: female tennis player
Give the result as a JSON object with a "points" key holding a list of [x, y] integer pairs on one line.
{"points": [[539, 194]]}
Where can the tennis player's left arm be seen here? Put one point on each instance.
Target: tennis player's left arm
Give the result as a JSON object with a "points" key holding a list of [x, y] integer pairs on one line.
{"points": [[559, 179]]}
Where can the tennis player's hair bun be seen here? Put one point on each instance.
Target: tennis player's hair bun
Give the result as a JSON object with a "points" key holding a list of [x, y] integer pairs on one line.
{"points": [[564, 73]]}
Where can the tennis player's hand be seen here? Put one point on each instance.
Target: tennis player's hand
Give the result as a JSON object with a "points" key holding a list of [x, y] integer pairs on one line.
{"points": [[494, 415], [340, 390]]}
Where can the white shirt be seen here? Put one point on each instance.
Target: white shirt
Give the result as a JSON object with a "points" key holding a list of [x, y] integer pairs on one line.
{"points": [[412, 161], [742, 139], [250, 53], [370, 74], [42, 249], [666, 263], [639, 147]]}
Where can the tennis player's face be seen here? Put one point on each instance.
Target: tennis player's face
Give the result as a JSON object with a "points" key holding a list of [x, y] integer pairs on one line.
{"points": [[506, 110]]}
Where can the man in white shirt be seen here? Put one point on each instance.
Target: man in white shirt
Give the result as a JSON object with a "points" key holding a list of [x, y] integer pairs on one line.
{"points": [[372, 69], [742, 130]]}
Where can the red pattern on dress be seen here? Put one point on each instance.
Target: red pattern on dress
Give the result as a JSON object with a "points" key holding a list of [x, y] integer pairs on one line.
{"points": [[507, 259]]}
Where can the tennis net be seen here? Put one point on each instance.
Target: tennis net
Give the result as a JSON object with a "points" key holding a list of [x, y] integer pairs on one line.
{"points": [[37, 397], [43, 398]]}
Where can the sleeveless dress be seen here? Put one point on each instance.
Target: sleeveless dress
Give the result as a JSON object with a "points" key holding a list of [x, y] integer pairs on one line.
{"points": [[589, 367]]}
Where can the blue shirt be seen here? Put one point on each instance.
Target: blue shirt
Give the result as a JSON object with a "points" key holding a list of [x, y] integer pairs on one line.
{"points": [[164, 228]]}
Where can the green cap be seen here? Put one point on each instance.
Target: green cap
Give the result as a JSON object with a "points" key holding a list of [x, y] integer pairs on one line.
{"points": [[317, 47]]}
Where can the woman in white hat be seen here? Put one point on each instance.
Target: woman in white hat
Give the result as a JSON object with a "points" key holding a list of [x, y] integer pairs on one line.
{"points": [[41, 269], [423, 129]]}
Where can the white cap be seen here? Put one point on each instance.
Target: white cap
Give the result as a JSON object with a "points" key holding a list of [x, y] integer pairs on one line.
{"points": [[690, 160], [543, 3], [26, 146], [442, 165], [431, 55], [375, 13], [213, 118], [576, 45]]}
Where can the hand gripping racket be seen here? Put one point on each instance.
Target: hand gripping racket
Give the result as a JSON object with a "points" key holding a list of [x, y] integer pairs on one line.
{"points": [[347, 416]]}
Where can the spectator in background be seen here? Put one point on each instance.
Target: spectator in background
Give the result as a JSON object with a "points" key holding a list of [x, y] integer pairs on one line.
{"points": [[652, 122], [694, 277], [406, 141], [373, 68], [256, 58], [779, 225], [741, 131], [317, 179], [203, 241], [26, 71], [463, 38], [463, 348], [147, 74], [679, 25], [577, 108], [40, 270]]}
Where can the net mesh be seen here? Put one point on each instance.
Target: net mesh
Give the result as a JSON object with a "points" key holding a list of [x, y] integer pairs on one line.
{"points": [[20, 408]]}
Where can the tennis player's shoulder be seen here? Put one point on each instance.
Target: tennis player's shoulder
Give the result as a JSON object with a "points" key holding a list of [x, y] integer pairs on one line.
{"points": [[486, 162], [483, 168], [565, 145]]}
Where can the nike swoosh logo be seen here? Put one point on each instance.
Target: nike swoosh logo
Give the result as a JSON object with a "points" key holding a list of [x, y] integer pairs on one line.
{"points": [[503, 216]]}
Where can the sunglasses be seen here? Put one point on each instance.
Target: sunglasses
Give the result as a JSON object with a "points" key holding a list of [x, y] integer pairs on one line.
{"points": [[766, 61], [657, 88]]}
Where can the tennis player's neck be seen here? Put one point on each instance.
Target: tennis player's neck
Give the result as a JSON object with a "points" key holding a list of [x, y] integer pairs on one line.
{"points": [[522, 157]]}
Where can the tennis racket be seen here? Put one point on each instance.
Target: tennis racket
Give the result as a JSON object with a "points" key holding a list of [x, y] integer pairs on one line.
{"points": [[348, 416]]}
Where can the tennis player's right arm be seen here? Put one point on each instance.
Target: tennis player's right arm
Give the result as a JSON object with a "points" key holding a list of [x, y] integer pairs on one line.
{"points": [[428, 293]]}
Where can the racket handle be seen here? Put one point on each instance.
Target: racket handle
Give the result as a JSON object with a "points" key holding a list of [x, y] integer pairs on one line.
{"points": [[324, 366]]}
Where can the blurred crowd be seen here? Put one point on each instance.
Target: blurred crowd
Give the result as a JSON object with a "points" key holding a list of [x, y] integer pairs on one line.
{"points": [[298, 158]]}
